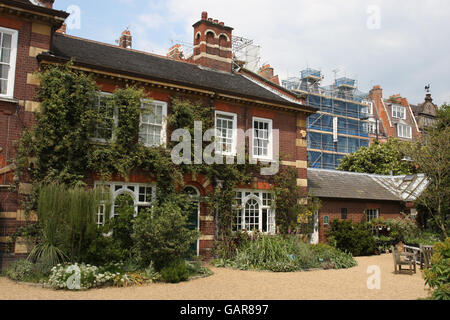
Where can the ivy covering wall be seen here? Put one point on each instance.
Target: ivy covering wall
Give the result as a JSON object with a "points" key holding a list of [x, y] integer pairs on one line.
{"points": [[59, 148]]}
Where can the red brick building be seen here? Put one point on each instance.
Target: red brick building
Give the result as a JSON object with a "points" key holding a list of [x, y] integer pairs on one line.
{"points": [[241, 99], [391, 117], [360, 197]]}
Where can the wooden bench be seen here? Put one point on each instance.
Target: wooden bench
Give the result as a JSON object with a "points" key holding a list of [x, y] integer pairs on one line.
{"points": [[403, 259], [425, 256]]}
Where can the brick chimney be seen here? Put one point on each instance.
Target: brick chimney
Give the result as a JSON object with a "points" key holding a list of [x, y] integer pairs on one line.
{"points": [[267, 72], [62, 29], [126, 39], [46, 3], [212, 44], [175, 52], [376, 92]]}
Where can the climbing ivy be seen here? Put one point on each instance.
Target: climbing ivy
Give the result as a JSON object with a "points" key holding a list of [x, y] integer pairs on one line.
{"points": [[59, 147]]}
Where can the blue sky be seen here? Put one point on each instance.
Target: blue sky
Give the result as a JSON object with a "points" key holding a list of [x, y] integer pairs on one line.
{"points": [[400, 45]]}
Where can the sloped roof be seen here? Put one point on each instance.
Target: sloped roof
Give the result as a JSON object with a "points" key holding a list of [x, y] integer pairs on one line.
{"points": [[349, 185], [125, 61], [26, 4]]}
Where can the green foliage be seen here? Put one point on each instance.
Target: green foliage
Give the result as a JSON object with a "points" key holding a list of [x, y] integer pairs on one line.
{"points": [[285, 254], [438, 276], [291, 215], [379, 158], [161, 236], [20, 270], [67, 220], [432, 156], [355, 238], [59, 142], [175, 272], [402, 229], [333, 258]]}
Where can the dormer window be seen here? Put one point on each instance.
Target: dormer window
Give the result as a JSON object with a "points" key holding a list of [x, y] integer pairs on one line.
{"points": [[398, 111]]}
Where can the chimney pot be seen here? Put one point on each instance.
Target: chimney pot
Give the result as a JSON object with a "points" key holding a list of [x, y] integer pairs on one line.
{"points": [[62, 29], [204, 15], [126, 39], [47, 3]]}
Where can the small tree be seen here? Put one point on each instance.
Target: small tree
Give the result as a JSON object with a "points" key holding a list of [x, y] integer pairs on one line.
{"points": [[161, 236], [379, 158], [432, 156]]}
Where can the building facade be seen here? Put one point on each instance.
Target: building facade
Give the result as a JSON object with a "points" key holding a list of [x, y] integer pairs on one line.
{"points": [[392, 117], [360, 197], [339, 127], [241, 100]]}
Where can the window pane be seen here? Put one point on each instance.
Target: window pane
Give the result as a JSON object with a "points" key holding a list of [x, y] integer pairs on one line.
{"points": [[7, 40]]}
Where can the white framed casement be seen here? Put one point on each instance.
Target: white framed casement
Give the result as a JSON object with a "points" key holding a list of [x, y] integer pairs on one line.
{"points": [[398, 111], [372, 214], [253, 211], [262, 139], [226, 133], [104, 132], [153, 123], [404, 131], [8, 58]]}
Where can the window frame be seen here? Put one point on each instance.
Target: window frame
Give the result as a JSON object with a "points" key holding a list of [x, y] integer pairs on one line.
{"points": [[396, 113], [369, 214], [115, 120], [402, 131], [264, 203], [326, 220], [270, 138], [219, 146], [124, 188], [163, 135], [344, 213], [12, 62]]}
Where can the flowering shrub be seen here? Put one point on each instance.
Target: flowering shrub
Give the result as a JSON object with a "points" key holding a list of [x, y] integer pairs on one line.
{"points": [[85, 276], [79, 277]]}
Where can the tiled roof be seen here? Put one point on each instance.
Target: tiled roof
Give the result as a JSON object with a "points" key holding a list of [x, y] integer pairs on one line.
{"points": [[348, 185], [141, 64]]}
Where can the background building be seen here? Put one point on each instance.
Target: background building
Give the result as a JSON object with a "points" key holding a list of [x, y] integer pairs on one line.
{"points": [[340, 126]]}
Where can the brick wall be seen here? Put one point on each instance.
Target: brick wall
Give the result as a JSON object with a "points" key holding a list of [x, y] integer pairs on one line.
{"points": [[355, 211]]}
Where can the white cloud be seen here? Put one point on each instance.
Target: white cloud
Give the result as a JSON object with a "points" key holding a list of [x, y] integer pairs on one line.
{"points": [[409, 50]]}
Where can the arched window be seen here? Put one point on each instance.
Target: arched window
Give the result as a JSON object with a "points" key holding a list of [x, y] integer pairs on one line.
{"points": [[123, 203], [136, 196], [210, 37], [252, 210], [222, 44], [251, 215]]}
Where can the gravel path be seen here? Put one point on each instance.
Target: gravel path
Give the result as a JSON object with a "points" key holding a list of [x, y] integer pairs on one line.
{"points": [[228, 284]]}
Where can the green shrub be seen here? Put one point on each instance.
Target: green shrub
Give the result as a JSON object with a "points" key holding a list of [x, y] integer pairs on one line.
{"points": [[20, 270], [355, 238], [401, 229], [285, 254], [438, 276], [162, 236], [176, 272], [333, 258]]}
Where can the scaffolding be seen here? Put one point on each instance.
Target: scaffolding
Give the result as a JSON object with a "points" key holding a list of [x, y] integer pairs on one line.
{"points": [[339, 127]]}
